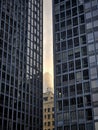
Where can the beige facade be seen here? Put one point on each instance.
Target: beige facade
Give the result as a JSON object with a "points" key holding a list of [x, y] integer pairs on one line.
{"points": [[48, 111]]}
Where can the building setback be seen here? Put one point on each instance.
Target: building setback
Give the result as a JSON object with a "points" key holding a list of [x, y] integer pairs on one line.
{"points": [[21, 64], [75, 45]]}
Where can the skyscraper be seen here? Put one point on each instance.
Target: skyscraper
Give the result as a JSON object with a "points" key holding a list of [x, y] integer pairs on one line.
{"points": [[75, 29], [21, 64]]}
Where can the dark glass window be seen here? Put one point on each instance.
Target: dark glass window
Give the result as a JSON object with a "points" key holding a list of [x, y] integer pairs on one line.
{"points": [[76, 41], [72, 90], [88, 114], [74, 11], [85, 74], [58, 81], [72, 102], [81, 126], [82, 29], [64, 67], [69, 23], [63, 45], [86, 87], [68, 13], [84, 51], [69, 33], [58, 69], [57, 17], [63, 35], [71, 65], [66, 127], [70, 43], [74, 127], [74, 2], [75, 21], [70, 55], [80, 101], [59, 128], [84, 62], [56, 1], [78, 64], [59, 105], [65, 79], [75, 31], [79, 88], [68, 4], [65, 104], [81, 19], [63, 25], [81, 9], [87, 100], [58, 47], [61, 0], [62, 15], [62, 7], [71, 76], [57, 27], [83, 39]]}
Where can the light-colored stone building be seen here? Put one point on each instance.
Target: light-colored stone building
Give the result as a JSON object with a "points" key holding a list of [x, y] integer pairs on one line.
{"points": [[48, 110]]}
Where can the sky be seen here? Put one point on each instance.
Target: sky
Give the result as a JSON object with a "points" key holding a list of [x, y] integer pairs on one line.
{"points": [[47, 45]]}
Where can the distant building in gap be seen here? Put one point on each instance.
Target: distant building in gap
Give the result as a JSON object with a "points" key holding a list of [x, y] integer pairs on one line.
{"points": [[48, 110]]}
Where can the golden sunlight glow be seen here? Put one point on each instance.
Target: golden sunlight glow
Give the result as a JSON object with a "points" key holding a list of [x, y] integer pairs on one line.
{"points": [[47, 44]]}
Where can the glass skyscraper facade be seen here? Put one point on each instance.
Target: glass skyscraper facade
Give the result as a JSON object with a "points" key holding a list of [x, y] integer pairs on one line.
{"points": [[75, 45], [21, 64]]}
